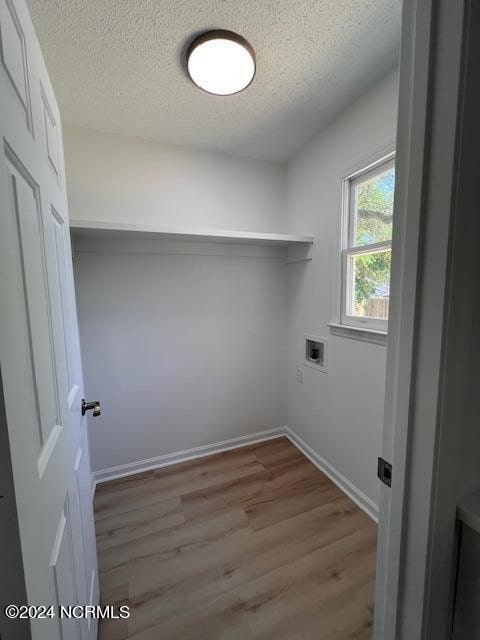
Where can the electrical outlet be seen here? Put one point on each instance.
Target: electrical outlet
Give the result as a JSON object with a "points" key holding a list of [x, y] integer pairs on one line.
{"points": [[299, 375]]}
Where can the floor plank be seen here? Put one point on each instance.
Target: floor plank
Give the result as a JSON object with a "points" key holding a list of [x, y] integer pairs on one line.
{"points": [[248, 544], [120, 528]]}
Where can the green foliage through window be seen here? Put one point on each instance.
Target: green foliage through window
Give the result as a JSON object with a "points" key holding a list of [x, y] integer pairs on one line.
{"points": [[371, 281], [374, 209]]}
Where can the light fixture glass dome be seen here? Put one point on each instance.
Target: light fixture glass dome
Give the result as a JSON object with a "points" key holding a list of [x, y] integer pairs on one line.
{"points": [[221, 62]]}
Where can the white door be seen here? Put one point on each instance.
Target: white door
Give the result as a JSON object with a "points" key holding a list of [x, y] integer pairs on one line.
{"points": [[39, 347]]}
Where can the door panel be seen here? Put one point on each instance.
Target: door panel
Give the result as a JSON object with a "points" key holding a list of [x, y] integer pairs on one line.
{"points": [[85, 493], [51, 137], [64, 573], [78, 534], [61, 266], [39, 346], [25, 207], [14, 57]]}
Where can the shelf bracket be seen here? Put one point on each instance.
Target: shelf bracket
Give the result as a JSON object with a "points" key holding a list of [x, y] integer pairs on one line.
{"points": [[298, 254]]}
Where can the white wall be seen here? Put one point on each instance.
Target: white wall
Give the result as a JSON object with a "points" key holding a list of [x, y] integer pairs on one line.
{"points": [[183, 343], [122, 179], [181, 349], [339, 414]]}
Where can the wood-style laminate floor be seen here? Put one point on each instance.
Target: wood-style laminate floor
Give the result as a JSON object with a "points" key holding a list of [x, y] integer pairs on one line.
{"points": [[254, 543]]}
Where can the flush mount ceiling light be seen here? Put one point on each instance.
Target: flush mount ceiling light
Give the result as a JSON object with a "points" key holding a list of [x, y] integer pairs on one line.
{"points": [[221, 62]]}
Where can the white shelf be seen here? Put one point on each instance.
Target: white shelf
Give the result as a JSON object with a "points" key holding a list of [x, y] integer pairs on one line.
{"points": [[111, 229]]}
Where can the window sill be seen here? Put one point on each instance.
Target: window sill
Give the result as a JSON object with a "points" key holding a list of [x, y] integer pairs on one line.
{"points": [[357, 333]]}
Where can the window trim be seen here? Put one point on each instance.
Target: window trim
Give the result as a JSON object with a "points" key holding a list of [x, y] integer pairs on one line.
{"points": [[348, 248]]}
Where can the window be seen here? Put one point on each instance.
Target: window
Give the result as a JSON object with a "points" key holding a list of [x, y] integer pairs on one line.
{"points": [[367, 246]]}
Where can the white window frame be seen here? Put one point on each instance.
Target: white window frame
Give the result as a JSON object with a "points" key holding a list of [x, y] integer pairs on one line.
{"points": [[348, 249]]}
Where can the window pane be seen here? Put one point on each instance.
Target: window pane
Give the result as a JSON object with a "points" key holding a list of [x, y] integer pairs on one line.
{"points": [[373, 199], [370, 284]]}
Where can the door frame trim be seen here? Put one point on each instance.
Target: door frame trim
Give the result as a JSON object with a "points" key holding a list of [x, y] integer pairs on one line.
{"points": [[429, 328]]}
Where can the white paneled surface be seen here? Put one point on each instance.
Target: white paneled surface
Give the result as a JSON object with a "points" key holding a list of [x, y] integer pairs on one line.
{"points": [[183, 349], [63, 568], [25, 200], [14, 55], [51, 135], [39, 339]]}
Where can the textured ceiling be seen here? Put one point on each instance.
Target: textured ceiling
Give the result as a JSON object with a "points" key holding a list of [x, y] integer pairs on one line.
{"points": [[116, 66]]}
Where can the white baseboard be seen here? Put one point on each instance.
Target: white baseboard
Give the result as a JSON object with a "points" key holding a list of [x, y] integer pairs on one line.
{"points": [[360, 499], [132, 468]]}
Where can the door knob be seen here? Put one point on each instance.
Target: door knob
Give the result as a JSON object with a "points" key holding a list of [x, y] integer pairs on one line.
{"points": [[91, 406]]}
